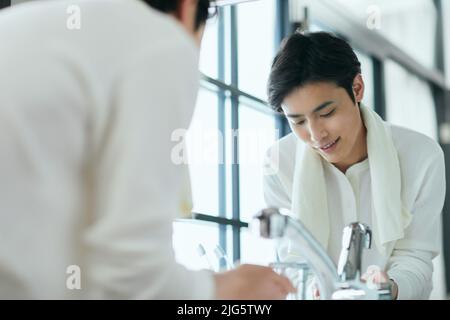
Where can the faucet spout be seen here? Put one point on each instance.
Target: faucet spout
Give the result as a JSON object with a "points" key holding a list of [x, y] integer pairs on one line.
{"points": [[342, 282], [270, 223]]}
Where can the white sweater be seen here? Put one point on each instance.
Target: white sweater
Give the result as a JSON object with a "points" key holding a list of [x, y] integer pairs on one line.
{"points": [[349, 200], [86, 176]]}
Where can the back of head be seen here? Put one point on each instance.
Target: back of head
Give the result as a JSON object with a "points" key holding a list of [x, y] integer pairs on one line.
{"points": [[311, 58], [171, 6]]}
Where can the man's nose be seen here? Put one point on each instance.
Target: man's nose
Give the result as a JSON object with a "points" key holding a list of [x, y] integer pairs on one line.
{"points": [[317, 132]]}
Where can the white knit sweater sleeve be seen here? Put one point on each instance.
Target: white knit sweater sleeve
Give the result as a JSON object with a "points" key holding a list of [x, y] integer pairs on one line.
{"points": [[410, 264]]}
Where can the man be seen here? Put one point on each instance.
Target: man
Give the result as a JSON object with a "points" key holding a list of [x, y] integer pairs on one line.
{"points": [[91, 93], [342, 163]]}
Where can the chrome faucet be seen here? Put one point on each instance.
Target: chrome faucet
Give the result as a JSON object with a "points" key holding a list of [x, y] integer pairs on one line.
{"points": [[270, 223], [356, 237], [334, 283]]}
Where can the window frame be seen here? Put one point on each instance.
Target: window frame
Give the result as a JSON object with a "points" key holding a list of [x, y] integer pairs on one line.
{"points": [[233, 93]]}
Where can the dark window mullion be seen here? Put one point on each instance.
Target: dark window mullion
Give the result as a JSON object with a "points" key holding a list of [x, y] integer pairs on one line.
{"points": [[221, 126], [439, 53], [235, 127], [219, 220], [379, 88], [283, 29]]}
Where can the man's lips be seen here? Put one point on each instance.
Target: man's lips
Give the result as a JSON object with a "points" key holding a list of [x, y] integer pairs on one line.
{"points": [[327, 146]]}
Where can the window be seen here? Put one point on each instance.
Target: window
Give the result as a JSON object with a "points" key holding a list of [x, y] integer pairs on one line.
{"points": [[232, 127], [209, 49], [256, 40], [203, 142], [257, 134]]}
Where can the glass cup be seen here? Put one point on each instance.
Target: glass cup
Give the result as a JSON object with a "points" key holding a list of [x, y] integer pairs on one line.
{"points": [[297, 273]]}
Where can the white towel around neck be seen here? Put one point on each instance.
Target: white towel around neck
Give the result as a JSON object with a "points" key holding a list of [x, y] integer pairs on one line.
{"points": [[389, 216]]}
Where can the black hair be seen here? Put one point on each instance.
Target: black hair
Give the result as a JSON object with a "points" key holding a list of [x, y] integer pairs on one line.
{"points": [[204, 7], [311, 58]]}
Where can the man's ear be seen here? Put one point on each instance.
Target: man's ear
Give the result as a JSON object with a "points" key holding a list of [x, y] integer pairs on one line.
{"points": [[186, 13], [358, 88]]}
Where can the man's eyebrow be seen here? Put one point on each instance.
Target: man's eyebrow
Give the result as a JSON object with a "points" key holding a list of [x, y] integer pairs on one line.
{"points": [[317, 109]]}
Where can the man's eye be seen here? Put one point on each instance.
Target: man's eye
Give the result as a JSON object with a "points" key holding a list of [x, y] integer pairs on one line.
{"points": [[300, 123], [328, 114]]}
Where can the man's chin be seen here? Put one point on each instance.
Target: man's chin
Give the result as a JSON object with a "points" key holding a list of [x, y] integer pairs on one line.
{"points": [[329, 158], [325, 156]]}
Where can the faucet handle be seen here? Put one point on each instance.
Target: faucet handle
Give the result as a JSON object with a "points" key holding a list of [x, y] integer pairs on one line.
{"points": [[269, 223]]}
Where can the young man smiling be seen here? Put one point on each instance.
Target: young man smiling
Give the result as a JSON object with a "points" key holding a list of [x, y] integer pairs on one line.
{"points": [[343, 163]]}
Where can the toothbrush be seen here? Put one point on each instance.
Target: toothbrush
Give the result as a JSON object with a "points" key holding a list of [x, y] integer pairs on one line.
{"points": [[202, 253], [220, 253]]}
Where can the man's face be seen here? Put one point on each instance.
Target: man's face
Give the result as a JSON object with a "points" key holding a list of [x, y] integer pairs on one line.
{"points": [[323, 116]]}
